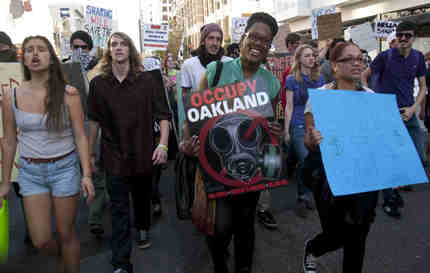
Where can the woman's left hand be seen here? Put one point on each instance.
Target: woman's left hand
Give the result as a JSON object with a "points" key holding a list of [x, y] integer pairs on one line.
{"points": [[159, 156], [88, 188], [275, 129]]}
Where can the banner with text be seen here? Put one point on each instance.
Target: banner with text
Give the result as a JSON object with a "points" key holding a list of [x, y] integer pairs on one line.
{"points": [[155, 37], [314, 16], [329, 26], [238, 153], [238, 25], [363, 36], [384, 28]]}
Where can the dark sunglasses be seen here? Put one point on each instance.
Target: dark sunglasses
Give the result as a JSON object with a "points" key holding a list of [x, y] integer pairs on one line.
{"points": [[406, 35], [80, 46]]}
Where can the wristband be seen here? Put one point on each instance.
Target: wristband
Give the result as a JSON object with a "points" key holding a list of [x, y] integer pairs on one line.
{"points": [[163, 147]]}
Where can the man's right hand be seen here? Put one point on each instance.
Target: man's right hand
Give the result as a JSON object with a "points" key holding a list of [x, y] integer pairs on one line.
{"points": [[191, 146], [4, 191]]}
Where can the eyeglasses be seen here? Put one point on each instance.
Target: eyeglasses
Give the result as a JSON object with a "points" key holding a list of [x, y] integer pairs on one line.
{"points": [[80, 46], [255, 38], [351, 60], [406, 35]]}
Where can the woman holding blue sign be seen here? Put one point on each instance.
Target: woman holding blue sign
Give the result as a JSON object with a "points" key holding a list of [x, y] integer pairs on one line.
{"points": [[345, 220], [304, 74]]}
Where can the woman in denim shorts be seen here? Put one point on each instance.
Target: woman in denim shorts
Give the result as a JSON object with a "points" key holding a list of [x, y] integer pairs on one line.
{"points": [[51, 142]]}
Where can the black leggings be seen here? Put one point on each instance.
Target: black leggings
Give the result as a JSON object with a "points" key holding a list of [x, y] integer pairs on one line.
{"points": [[234, 216], [338, 233]]}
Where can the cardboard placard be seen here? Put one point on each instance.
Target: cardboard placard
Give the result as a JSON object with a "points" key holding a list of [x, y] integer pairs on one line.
{"points": [[385, 28], [329, 26], [238, 153]]}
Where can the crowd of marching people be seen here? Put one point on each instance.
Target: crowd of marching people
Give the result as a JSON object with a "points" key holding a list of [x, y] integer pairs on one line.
{"points": [[112, 140]]}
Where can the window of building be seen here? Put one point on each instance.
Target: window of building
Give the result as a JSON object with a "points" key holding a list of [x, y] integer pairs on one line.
{"points": [[165, 18], [164, 9], [164, 1]]}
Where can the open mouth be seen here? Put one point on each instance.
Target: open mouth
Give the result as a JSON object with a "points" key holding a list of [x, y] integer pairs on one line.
{"points": [[255, 52], [35, 61]]}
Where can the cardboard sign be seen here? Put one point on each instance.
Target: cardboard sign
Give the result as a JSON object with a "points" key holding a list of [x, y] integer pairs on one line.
{"points": [[238, 154], [384, 28], [98, 23], [367, 150], [155, 37], [314, 16], [329, 26]]}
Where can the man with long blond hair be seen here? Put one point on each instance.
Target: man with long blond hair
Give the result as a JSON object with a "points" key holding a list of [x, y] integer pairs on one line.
{"points": [[123, 101]]}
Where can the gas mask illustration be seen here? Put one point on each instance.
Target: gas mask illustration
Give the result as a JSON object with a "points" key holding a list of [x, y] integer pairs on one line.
{"points": [[238, 140]]}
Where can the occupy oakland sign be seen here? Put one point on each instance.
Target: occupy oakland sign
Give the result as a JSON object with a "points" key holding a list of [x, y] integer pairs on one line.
{"points": [[238, 153]]}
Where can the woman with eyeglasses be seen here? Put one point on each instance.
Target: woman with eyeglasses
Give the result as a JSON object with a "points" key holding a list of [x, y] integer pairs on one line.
{"points": [[52, 142], [345, 220], [304, 74]]}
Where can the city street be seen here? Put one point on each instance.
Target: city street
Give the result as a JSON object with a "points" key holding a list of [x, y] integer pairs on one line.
{"points": [[394, 246]]}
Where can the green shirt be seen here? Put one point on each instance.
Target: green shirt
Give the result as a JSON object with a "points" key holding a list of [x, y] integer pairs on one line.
{"points": [[232, 72]]}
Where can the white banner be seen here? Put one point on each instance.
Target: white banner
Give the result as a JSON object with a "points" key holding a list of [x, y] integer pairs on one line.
{"points": [[363, 36], [98, 23], [155, 37], [384, 28], [238, 25]]}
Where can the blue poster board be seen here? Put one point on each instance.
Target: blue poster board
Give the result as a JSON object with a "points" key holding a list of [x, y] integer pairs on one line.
{"points": [[365, 146]]}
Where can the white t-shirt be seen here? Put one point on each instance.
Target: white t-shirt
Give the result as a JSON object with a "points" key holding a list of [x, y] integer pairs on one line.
{"points": [[192, 72], [308, 107]]}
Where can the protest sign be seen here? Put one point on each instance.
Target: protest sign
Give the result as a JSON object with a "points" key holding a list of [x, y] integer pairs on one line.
{"points": [[366, 146], [238, 25], [155, 37], [363, 36], [98, 23], [384, 28], [238, 153], [314, 16], [330, 26]]}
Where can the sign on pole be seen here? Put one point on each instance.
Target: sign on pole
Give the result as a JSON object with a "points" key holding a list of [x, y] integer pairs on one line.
{"points": [[155, 37], [238, 25], [98, 23], [384, 28]]}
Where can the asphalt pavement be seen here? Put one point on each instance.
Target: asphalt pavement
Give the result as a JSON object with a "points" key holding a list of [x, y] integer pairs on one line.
{"points": [[393, 246]]}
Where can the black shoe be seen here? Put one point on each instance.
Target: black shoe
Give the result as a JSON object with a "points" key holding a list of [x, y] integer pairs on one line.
{"points": [[266, 218], [407, 188], [398, 200], [243, 270], [391, 209], [301, 209], [143, 241], [156, 211], [96, 229], [27, 240], [309, 261]]}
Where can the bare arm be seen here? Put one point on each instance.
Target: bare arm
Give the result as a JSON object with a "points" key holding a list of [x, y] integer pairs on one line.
{"points": [[289, 107], [8, 143], [422, 93], [160, 155], [93, 131], [73, 101], [365, 75]]}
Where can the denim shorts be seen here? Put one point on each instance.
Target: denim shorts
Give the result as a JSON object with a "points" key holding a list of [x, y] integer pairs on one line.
{"points": [[61, 178]]}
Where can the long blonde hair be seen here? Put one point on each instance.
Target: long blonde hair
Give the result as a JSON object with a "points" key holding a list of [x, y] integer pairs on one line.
{"points": [[296, 68]]}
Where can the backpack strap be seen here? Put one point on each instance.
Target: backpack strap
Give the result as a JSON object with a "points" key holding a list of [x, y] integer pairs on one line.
{"points": [[217, 73]]}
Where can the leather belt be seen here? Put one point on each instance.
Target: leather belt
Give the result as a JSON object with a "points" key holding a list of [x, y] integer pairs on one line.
{"points": [[47, 160]]}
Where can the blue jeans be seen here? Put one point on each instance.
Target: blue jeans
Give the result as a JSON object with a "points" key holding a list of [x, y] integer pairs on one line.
{"points": [[297, 134], [119, 189], [417, 135]]}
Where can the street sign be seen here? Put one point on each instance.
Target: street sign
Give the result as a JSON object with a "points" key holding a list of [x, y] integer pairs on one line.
{"points": [[155, 37]]}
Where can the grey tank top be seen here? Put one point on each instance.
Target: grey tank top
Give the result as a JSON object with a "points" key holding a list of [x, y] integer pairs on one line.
{"points": [[34, 139]]}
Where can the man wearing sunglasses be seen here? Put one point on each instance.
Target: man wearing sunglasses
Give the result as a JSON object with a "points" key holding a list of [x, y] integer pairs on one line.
{"points": [[397, 68]]}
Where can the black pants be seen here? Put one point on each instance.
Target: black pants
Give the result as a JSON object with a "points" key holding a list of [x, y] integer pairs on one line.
{"points": [[156, 176], [234, 216], [338, 233], [119, 189]]}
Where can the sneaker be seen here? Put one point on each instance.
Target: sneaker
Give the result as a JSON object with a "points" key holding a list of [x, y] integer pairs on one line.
{"points": [[391, 209], [309, 261], [96, 229], [143, 241], [407, 188], [120, 270], [301, 210], [398, 200], [266, 218], [156, 210]]}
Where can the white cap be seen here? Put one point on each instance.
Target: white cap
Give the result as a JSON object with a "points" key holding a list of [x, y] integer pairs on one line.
{"points": [[391, 37]]}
